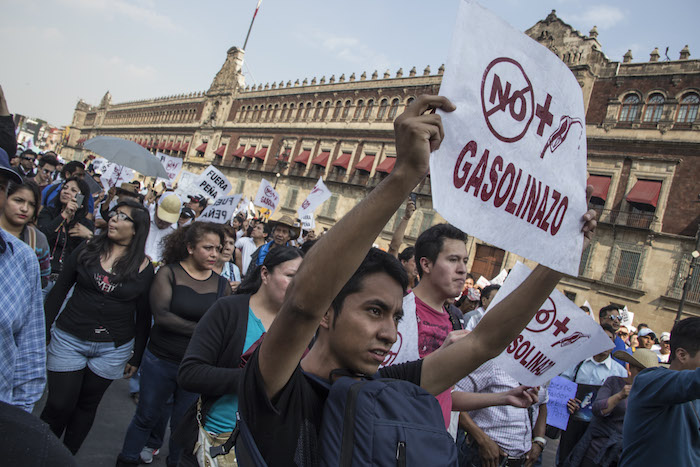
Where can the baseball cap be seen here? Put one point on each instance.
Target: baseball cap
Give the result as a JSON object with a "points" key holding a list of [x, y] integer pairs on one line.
{"points": [[169, 208], [645, 332], [5, 168], [665, 337], [641, 358], [187, 213]]}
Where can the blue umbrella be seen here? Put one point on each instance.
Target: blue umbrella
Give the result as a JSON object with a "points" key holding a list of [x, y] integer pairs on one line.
{"points": [[127, 154]]}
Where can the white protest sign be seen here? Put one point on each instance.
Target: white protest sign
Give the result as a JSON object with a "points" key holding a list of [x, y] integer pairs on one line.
{"points": [[558, 337], [221, 210], [307, 221], [212, 183], [267, 197], [626, 317], [185, 184], [172, 166], [482, 282], [317, 197], [115, 175], [514, 153], [500, 278]]}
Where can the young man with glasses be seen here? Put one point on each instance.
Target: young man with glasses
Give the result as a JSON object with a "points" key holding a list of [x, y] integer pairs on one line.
{"points": [[47, 167], [26, 164], [610, 315]]}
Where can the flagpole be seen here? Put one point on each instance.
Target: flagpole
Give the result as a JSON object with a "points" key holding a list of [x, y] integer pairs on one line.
{"points": [[251, 24]]}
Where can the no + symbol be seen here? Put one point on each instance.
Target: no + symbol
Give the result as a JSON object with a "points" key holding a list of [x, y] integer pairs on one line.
{"points": [[544, 114], [561, 326]]}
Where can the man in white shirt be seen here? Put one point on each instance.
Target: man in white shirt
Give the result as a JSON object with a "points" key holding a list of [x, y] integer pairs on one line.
{"points": [[163, 223], [487, 296], [248, 245]]}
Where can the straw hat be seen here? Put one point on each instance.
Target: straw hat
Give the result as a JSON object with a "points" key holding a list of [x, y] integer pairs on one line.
{"points": [[287, 221], [641, 358]]}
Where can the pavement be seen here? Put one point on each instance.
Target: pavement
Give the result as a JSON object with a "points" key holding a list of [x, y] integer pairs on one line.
{"points": [[104, 441]]}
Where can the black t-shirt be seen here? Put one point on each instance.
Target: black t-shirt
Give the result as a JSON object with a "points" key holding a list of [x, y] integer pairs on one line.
{"points": [[286, 430]]}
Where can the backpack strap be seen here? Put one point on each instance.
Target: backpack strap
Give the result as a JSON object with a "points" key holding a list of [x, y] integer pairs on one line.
{"points": [[578, 367], [456, 325], [31, 241]]}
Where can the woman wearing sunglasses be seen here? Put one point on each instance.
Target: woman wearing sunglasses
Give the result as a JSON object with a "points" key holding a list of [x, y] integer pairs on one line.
{"points": [[101, 334]]}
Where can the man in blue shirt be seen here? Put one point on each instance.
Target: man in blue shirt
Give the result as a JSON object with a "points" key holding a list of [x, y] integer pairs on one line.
{"points": [[22, 337], [610, 315], [666, 397]]}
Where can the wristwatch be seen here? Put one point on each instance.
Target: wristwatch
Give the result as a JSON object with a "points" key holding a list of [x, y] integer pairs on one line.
{"points": [[541, 441]]}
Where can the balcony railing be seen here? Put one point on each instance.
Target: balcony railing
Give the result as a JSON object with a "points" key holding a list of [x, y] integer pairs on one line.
{"points": [[640, 220]]}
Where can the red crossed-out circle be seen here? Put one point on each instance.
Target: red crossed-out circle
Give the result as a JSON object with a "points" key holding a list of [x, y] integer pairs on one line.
{"points": [[544, 318], [522, 95]]}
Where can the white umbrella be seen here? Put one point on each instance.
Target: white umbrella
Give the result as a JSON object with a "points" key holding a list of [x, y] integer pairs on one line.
{"points": [[128, 154]]}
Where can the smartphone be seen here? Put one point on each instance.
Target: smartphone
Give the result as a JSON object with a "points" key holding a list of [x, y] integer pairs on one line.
{"points": [[79, 199], [413, 197]]}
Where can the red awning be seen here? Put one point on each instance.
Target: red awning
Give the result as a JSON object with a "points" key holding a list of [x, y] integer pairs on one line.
{"points": [[184, 147], [221, 150], [250, 153], [176, 147], [343, 161], [387, 165], [161, 146], [601, 185], [303, 157], [202, 147], [645, 192], [322, 159], [239, 151], [169, 146], [261, 154], [365, 164]]}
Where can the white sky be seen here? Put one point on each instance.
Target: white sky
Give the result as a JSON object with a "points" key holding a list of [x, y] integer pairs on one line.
{"points": [[57, 51]]}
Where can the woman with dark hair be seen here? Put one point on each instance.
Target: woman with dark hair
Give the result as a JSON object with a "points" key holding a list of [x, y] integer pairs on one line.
{"points": [[183, 290], [65, 224], [101, 333], [21, 209], [225, 265], [211, 366]]}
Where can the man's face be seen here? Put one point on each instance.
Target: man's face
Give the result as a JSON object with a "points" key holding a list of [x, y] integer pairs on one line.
{"points": [[646, 341], [410, 267], [161, 224], [449, 271], [27, 161], [362, 335], [487, 300], [613, 319], [258, 231], [14, 161], [624, 333], [665, 347], [281, 234], [78, 173], [44, 173]]}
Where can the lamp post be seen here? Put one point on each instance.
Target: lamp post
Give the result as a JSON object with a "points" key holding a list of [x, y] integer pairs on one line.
{"points": [[686, 284], [277, 179]]}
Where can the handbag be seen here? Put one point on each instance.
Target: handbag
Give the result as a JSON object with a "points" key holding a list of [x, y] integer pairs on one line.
{"points": [[206, 441]]}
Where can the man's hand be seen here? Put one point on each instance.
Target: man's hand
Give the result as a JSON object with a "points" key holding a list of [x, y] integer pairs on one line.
{"points": [[573, 405], [533, 455], [418, 134], [129, 371], [624, 392], [522, 397], [489, 452], [410, 209]]}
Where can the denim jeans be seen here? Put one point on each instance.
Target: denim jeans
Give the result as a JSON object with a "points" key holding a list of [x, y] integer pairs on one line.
{"points": [[158, 384]]}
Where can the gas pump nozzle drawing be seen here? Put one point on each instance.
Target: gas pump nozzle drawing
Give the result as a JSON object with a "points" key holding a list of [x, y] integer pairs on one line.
{"points": [[560, 133]]}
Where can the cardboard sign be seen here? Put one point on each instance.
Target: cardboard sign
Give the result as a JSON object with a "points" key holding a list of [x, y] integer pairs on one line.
{"points": [[115, 175], [500, 278], [222, 210], [308, 222], [626, 317], [212, 183], [317, 197], [185, 184], [558, 337], [482, 282], [587, 394], [514, 154], [560, 391], [267, 197], [172, 165]]}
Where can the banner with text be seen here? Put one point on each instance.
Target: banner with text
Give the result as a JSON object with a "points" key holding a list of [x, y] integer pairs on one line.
{"points": [[317, 197], [114, 175], [514, 154], [308, 222], [172, 165], [221, 211], [212, 183], [558, 337], [267, 197]]}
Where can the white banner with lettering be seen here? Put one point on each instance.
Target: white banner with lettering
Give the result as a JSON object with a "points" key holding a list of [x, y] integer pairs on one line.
{"points": [[514, 154], [308, 222], [172, 165], [114, 175], [317, 197], [267, 197], [557, 338], [212, 183], [222, 210]]}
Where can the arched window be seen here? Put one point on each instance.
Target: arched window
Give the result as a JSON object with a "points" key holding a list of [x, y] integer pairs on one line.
{"points": [[336, 111], [284, 112], [368, 110], [291, 112], [270, 113], [409, 100], [655, 106], [326, 108], [317, 114], [255, 113], [630, 108], [346, 109], [382, 109], [688, 110], [300, 112], [307, 114], [358, 109], [394, 108]]}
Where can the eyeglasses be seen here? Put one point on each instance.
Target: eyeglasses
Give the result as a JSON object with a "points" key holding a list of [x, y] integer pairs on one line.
{"points": [[47, 171], [614, 317], [25, 158], [120, 216]]}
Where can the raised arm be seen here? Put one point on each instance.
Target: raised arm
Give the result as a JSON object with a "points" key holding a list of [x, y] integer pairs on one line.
{"points": [[336, 256], [397, 238]]}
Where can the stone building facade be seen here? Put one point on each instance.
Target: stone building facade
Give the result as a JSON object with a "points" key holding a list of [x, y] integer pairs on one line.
{"points": [[643, 142]]}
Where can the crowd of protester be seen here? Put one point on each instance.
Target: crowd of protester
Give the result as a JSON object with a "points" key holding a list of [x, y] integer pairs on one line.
{"points": [[245, 323]]}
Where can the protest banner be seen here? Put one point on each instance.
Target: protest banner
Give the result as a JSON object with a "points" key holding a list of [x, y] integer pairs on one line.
{"points": [[482, 282], [317, 197], [221, 210], [172, 166], [212, 183], [626, 317], [267, 197], [185, 184], [514, 153], [560, 391], [500, 278], [308, 222], [114, 175], [558, 337]]}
